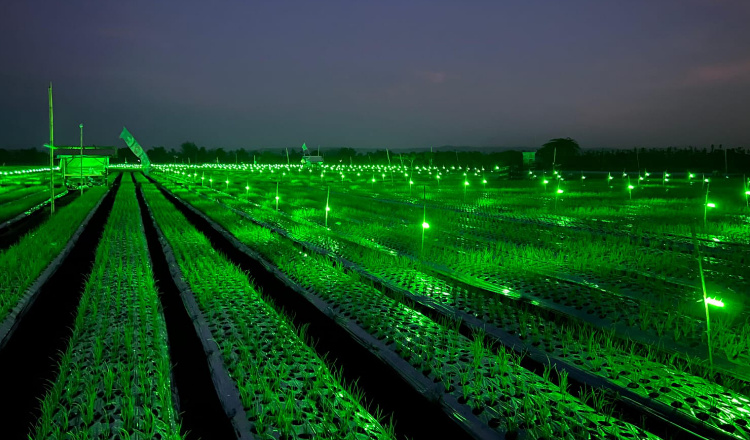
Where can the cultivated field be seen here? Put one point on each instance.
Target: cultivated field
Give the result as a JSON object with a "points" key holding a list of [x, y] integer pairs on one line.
{"points": [[263, 301]]}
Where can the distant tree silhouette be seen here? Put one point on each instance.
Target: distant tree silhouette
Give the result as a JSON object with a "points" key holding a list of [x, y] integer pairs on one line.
{"points": [[189, 150], [562, 151]]}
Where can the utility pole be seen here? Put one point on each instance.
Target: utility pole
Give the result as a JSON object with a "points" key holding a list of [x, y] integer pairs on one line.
{"points": [[51, 153], [81, 182]]}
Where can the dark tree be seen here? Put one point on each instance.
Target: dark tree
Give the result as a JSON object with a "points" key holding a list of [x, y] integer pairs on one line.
{"points": [[189, 150], [158, 155], [561, 151]]}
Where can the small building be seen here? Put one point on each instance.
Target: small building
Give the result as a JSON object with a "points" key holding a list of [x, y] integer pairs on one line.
{"points": [[87, 166], [529, 159]]}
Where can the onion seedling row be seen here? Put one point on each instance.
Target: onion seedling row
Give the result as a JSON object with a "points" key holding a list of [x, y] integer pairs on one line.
{"points": [[24, 262], [115, 379], [495, 387], [676, 329], [593, 351], [286, 390]]}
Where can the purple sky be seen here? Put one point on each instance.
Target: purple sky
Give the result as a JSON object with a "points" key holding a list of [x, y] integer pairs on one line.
{"points": [[366, 73]]}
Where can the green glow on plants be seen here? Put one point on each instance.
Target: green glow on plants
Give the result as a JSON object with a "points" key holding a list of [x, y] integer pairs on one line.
{"points": [[715, 302]]}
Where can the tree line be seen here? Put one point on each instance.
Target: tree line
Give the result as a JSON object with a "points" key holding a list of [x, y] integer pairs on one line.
{"points": [[563, 152]]}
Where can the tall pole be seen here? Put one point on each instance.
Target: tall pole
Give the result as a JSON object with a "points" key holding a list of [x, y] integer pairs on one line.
{"points": [[81, 182], [51, 153], [705, 207], [554, 158], [705, 302], [424, 217], [328, 196]]}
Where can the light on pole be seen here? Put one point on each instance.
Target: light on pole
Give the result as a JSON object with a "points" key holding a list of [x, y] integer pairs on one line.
{"points": [[277, 196], [328, 208], [425, 225], [706, 205], [557, 193]]}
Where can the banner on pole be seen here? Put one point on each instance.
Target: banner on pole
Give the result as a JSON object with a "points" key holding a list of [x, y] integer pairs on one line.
{"points": [[136, 148]]}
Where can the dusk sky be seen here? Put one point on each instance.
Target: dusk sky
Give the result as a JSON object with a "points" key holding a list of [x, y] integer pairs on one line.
{"points": [[367, 74]]}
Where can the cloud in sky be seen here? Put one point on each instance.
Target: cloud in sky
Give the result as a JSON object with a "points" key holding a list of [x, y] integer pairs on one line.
{"points": [[433, 77], [719, 73]]}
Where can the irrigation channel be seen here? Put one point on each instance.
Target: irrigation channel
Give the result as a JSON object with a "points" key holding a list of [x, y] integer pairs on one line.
{"points": [[384, 387], [29, 359]]}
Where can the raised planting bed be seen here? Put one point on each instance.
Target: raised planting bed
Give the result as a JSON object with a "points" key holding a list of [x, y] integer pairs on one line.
{"points": [[603, 362], [469, 376], [15, 210], [285, 389], [637, 319], [27, 265], [114, 379]]}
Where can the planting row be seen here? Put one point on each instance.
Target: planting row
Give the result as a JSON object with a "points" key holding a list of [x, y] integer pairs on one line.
{"points": [[114, 380], [23, 262], [470, 373], [593, 351], [286, 390], [637, 316]]}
